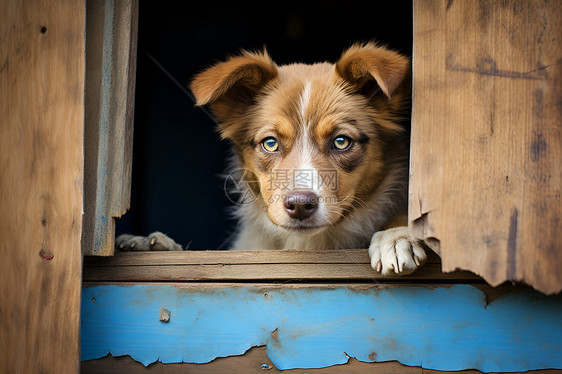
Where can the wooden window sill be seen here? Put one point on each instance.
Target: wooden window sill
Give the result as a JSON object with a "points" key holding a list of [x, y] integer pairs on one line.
{"points": [[262, 266]]}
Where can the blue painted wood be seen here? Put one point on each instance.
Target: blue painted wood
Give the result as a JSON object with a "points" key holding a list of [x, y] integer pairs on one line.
{"points": [[442, 328]]}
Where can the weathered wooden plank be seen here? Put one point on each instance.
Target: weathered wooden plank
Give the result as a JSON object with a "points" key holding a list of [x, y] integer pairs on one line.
{"points": [[255, 361], [279, 285], [440, 329], [41, 171], [256, 272], [111, 45], [245, 266], [486, 175], [340, 256]]}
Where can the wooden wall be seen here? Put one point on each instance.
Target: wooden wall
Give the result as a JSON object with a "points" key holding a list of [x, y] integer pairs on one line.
{"points": [[314, 325], [312, 309], [41, 162], [485, 191], [486, 173]]}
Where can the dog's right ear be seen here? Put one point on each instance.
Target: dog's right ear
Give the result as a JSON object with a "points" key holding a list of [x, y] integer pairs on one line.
{"points": [[230, 87], [249, 71]]}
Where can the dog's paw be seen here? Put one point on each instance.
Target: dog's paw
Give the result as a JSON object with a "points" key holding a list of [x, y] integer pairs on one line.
{"points": [[153, 242], [395, 251]]}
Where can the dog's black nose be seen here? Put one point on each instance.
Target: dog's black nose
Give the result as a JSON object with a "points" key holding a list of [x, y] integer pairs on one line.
{"points": [[301, 205]]}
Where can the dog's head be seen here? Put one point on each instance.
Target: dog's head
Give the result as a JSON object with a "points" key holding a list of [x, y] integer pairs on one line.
{"points": [[313, 137]]}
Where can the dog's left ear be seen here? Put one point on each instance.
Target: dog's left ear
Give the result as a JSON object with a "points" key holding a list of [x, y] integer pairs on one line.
{"points": [[372, 68]]}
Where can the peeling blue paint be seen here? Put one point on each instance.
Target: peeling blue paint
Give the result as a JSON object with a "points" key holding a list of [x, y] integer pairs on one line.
{"points": [[442, 329]]}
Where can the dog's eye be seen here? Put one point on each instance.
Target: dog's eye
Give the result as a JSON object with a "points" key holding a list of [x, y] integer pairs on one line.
{"points": [[270, 144], [341, 143]]}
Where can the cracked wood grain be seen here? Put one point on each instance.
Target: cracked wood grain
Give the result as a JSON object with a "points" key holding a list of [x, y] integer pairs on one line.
{"points": [[486, 175]]}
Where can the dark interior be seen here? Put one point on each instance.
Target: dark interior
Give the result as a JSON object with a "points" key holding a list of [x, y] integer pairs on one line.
{"points": [[178, 157]]}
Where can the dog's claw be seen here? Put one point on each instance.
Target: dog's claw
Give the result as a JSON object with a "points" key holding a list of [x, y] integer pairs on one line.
{"points": [[395, 252], [154, 242]]}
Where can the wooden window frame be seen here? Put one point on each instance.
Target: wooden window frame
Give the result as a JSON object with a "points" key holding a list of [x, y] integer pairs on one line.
{"points": [[43, 70], [111, 53], [295, 269], [498, 256]]}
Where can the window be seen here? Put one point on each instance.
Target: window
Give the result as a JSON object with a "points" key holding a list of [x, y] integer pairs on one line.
{"points": [[177, 155], [485, 185]]}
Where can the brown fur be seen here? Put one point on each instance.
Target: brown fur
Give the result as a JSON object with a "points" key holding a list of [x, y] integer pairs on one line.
{"points": [[363, 96]]}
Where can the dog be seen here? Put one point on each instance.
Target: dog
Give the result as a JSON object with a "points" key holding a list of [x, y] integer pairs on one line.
{"points": [[323, 148]]}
